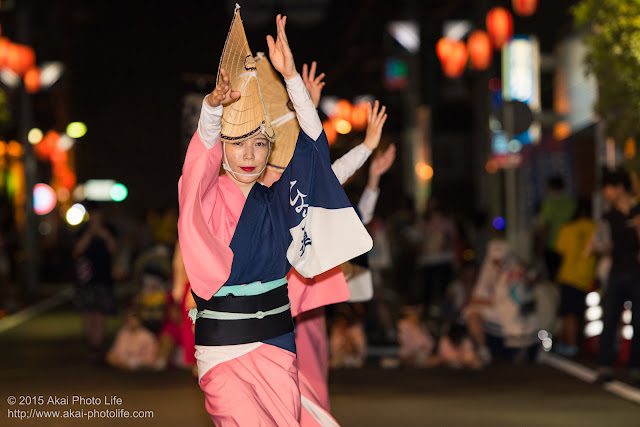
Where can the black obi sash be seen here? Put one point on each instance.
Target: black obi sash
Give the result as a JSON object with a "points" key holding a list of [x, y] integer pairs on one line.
{"points": [[230, 332]]}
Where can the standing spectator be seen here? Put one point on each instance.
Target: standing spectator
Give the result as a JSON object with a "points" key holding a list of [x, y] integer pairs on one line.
{"points": [[623, 222], [576, 275], [94, 250], [557, 209]]}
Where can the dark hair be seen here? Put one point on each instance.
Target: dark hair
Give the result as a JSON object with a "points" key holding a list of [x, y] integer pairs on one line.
{"points": [[616, 177], [583, 210], [555, 182]]}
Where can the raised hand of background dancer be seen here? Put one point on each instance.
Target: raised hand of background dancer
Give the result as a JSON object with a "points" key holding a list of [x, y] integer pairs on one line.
{"points": [[313, 84], [379, 165], [280, 52], [222, 93], [375, 123]]}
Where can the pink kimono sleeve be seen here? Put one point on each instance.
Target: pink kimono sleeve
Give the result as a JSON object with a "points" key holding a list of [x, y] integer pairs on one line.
{"points": [[327, 288], [207, 257]]}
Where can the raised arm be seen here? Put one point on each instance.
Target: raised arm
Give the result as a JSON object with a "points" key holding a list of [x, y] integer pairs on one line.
{"points": [[379, 166], [206, 256], [282, 60], [209, 124], [348, 164]]}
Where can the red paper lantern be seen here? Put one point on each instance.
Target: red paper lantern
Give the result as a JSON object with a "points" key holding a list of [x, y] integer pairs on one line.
{"points": [[343, 110], [4, 51], [359, 116], [454, 65], [66, 178], [58, 156], [32, 80], [524, 7], [27, 59], [330, 131], [480, 52], [13, 56], [500, 26], [20, 58], [45, 147], [443, 49]]}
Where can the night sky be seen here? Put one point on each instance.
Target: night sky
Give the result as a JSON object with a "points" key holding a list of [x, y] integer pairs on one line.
{"points": [[126, 62]]}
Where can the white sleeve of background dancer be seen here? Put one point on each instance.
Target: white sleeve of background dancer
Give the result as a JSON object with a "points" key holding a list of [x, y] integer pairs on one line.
{"points": [[210, 124], [305, 109], [367, 204], [348, 164]]}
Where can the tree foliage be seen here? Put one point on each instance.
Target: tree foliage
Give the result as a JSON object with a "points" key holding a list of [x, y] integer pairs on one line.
{"points": [[613, 35]]}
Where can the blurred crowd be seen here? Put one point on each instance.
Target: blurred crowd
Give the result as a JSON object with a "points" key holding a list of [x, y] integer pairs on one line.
{"points": [[444, 288]]}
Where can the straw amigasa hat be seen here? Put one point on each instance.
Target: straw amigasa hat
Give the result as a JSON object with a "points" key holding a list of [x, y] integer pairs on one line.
{"points": [[281, 112], [247, 115]]}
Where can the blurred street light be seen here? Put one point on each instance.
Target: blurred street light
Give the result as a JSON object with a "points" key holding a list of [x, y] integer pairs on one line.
{"points": [[76, 214], [35, 136]]}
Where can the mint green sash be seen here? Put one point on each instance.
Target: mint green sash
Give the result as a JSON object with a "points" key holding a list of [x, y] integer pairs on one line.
{"points": [[250, 289]]}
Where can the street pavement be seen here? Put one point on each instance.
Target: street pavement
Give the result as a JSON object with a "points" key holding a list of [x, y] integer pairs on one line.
{"points": [[44, 360]]}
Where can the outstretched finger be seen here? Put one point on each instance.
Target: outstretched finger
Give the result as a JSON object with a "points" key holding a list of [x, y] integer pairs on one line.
{"points": [[305, 71], [381, 113], [374, 111], [382, 121], [271, 43], [312, 72], [223, 74], [281, 24]]}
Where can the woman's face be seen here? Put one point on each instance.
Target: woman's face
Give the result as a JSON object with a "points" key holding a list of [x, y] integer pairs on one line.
{"points": [[247, 157]]}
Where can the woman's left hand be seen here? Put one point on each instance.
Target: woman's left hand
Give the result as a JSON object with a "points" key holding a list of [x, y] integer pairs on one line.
{"points": [[375, 122], [313, 84], [383, 161], [280, 52]]}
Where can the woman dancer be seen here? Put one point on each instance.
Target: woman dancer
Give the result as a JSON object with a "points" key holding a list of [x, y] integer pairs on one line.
{"points": [[239, 239]]}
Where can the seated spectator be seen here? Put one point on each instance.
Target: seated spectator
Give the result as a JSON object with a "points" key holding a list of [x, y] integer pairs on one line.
{"points": [[153, 300], [502, 307], [459, 293], [347, 339], [134, 347], [455, 349], [415, 341]]}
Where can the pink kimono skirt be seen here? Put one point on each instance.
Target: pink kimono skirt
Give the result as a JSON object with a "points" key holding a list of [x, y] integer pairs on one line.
{"points": [[252, 384]]}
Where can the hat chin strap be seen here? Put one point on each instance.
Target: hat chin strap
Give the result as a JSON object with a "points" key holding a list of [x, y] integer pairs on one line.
{"points": [[225, 165]]}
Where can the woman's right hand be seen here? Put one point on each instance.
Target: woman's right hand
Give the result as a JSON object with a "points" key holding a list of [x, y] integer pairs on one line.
{"points": [[222, 94]]}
